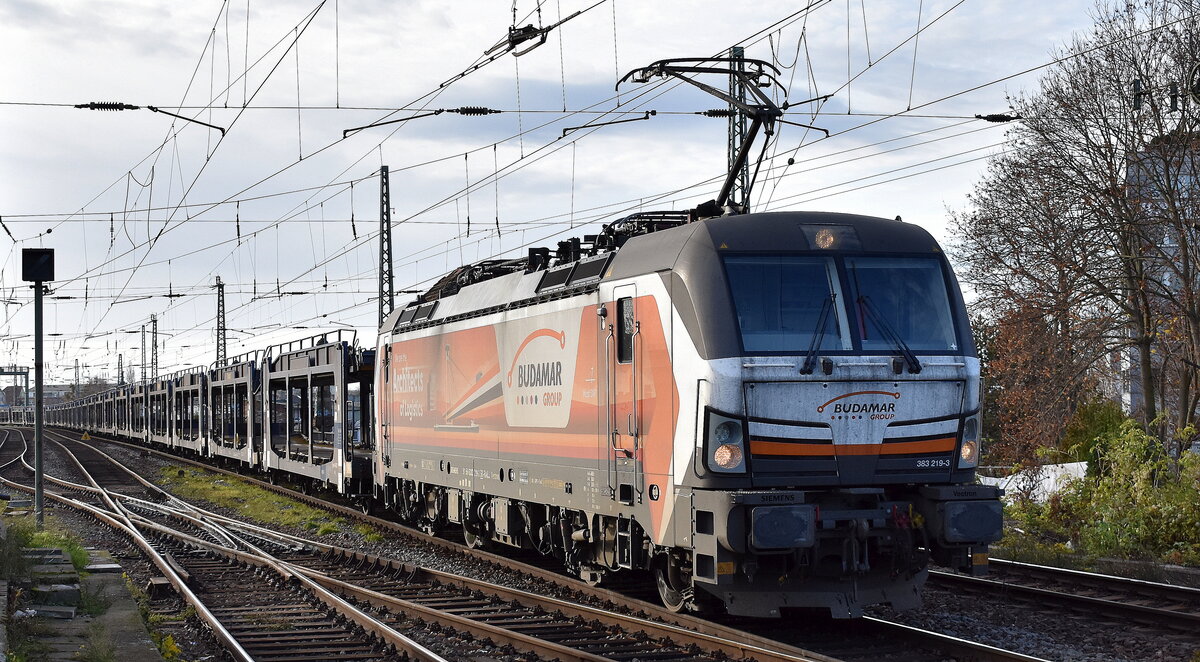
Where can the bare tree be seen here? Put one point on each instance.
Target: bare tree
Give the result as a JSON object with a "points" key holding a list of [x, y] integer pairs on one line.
{"points": [[1088, 219]]}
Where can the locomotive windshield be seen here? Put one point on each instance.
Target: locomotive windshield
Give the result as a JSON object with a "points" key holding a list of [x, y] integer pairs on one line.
{"points": [[904, 298], [785, 302]]}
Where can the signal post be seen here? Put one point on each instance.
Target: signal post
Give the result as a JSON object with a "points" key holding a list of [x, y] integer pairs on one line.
{"points": [[37, 266]]}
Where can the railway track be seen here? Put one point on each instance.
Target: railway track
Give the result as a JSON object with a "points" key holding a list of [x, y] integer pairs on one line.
{"points": [[1149, 604], [236, 593], [11, 451], [268, 616], [866, 639], [543, 626]]}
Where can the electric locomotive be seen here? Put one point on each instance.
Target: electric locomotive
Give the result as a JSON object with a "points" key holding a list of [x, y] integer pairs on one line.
{"points": [[765, 411]]}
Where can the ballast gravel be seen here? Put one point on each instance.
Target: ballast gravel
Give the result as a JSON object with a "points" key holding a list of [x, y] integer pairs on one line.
{"points": [[1045, 633]]}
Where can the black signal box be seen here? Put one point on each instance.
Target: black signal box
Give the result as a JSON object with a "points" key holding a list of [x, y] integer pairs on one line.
{"points": [[37, 264]]}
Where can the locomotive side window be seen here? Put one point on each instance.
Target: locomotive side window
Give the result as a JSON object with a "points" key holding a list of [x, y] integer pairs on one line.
{"points": [[196, 405], [354, 415], [625, 324], [214, 414], [228, 416], [256, 434]]}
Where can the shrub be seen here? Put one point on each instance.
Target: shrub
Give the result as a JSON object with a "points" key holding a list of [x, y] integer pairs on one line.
{"points": [[1140, 503]]}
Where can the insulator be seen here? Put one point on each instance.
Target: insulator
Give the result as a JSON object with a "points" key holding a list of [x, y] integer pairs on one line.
{"points": [[475, 110], [998, 117], [107, 105], [718, 112]]}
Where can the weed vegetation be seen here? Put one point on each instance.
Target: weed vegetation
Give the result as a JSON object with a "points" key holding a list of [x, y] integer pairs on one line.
{"points": [[94, 600], [249, 501], [1136, 503], [99, 646], [22, 532], [25, 639], [167, 646]]}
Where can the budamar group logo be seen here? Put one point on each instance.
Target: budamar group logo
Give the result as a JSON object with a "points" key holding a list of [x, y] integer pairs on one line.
{"points": [[539, 362]]}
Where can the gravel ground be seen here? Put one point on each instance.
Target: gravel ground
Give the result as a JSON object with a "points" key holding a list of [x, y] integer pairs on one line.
{"points": [[1048, 633], [193, 638], [191, 635]]}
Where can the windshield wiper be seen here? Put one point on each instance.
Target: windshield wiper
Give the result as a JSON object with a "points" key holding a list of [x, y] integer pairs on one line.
{"points": [[810, 358], [914, 366]]}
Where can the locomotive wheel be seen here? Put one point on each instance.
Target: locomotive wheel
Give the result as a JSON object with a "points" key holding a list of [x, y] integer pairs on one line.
{"points": [[473, 539], [673, 589]]}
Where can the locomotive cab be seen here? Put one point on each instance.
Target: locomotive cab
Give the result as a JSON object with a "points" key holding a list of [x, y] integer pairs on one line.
{"points": [[837, 411]]}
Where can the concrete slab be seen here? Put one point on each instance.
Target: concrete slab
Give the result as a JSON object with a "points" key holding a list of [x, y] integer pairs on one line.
{"points": [[122, 619], [100, 560], [117, 629], [55, 594], [46, 555], [54, 611], [53, 574]]}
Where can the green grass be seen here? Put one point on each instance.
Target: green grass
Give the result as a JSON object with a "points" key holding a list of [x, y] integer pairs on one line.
{"points": [[13, 563], [155, 619], [249, 501], [368, 532], [22, 532]]}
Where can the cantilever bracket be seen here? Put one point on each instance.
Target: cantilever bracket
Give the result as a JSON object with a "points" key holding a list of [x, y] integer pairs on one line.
{"points": [[648, 114], [187, 119], [517, 36], [118, 105], [347, 132]]}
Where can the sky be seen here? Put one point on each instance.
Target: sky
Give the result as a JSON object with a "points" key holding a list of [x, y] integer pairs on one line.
{"points": [[145, 210]]}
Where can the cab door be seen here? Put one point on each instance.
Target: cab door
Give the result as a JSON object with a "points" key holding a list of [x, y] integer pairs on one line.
{"points": [[382, 415], [623, 388]]}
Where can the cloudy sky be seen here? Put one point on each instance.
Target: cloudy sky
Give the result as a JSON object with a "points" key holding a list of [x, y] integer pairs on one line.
{"points": [[146, 210]]}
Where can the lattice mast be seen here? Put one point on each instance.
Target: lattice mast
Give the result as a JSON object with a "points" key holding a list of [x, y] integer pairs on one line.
{"points": [[386, 285], [220, 322]]}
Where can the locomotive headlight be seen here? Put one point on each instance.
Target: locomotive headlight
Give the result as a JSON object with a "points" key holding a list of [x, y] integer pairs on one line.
{"points": [[724, 444], [968, 452], [726, 432], [728, 456]]}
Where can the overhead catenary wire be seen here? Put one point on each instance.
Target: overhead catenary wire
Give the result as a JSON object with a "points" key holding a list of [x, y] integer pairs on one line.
{"points": [[573, 148]]}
